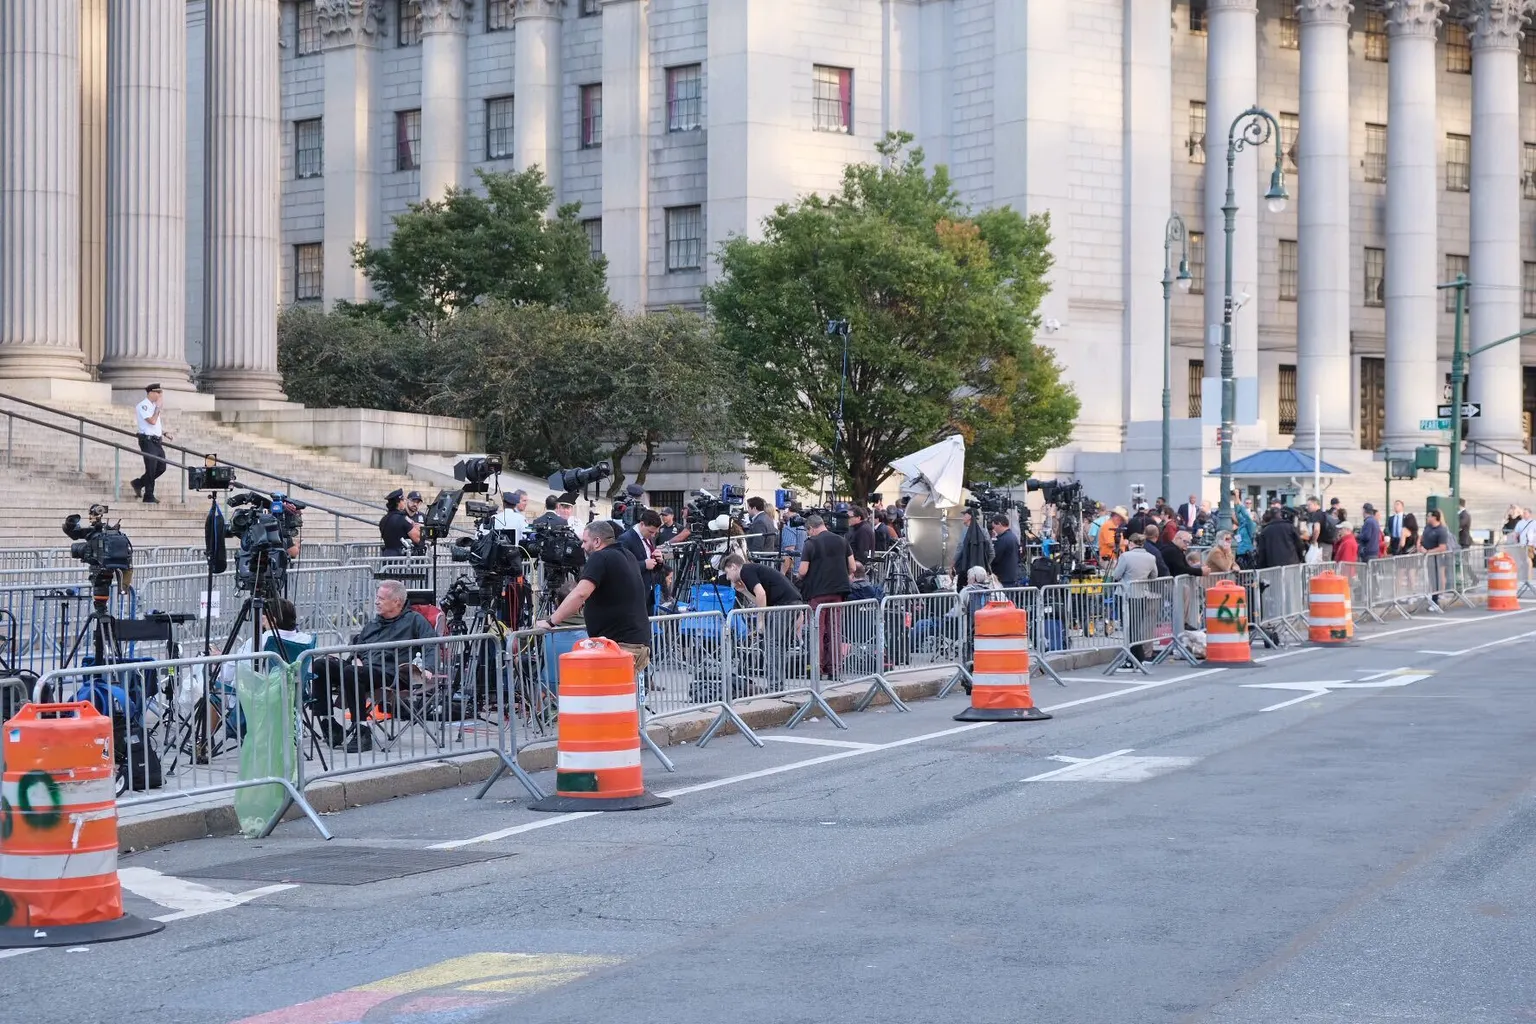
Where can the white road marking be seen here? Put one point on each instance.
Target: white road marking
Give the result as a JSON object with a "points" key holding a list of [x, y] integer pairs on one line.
{"points": [[1480, 647], [515, 830], [1076, 767], [1127, 769], [1319, 688], [812, 741], [1068, 760], [1294, 700], [186, 899]]}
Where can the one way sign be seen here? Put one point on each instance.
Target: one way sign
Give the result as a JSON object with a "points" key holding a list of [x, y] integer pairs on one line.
{"points": [[1469, 410]]}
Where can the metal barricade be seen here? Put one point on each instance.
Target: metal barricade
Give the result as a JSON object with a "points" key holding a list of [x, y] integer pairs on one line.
{"points": [[1081, 615], [846, 647], [925, 632], [186, 715], [1520, 554], [1413, 581], [1282, 599], [1359, 576], [52, 625], [690, 671], [768, 654], [1442, 578], [1154, 615], [387, 704]]}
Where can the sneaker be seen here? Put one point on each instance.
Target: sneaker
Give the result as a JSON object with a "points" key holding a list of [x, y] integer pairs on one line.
{"points": [[151, 500], [138, 487], [361, 742]]}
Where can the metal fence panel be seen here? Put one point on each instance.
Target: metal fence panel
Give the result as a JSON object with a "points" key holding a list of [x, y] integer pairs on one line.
{"points": [[924, 632], [690, 671]]}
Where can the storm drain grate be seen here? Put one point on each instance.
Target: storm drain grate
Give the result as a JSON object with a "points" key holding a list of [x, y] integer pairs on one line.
{"points": [[343, 865]]}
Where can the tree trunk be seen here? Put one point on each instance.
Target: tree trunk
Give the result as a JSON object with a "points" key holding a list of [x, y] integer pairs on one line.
{"points": [[616, 461], [652, 439]]}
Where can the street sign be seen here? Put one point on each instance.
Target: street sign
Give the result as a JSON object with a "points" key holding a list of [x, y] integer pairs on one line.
{"points": [[1469, 411], [1436, 424]]}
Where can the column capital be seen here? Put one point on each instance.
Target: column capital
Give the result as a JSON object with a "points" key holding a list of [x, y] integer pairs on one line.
{"points": [[1414, 17], [1324, 12], [1497, 24], [1242, 6], [536, 9], [445, 16], [349, 22]]}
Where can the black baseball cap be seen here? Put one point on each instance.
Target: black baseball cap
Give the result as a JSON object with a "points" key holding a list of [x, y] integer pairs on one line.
{"points": [[413, 496]]}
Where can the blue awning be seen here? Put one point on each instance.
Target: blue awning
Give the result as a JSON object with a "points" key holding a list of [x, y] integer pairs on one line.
{"points": [[1280, 462]]}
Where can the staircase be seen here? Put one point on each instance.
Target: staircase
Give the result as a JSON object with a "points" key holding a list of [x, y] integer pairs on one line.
{"points": [[1488, 489], [49, 472]]}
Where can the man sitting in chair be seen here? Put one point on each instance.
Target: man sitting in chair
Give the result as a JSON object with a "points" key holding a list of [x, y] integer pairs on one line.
{"points": [[359, 677], [287, 642]]}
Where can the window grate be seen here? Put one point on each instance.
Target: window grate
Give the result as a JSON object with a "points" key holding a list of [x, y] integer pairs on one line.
{"points": [[1289, 273], [1528, 290], [1290, 32], [1458, 163], [308, 271], [498, 15], [1196, 382], [1376, 152], [306, 29], [308, 148], [685, 98], [1528, 55], [1528, 171], [1454, 265], [1376, 36], [1290, 135], [832, 99], [591, 7], [408, 22], [594, 229], [591, 116], [685, 238], [1195, 144], [1458, 49], [407, 140], [1375, 277], [1287, 399], [1197, 16], [498, 128], [1197, 262]]}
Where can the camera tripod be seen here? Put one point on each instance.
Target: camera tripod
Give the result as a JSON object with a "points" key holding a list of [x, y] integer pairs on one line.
{"points": [[689, 573], [106, 644]]}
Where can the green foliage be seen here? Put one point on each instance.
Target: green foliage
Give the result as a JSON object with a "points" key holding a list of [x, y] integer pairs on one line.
{"points": [[339, 361], [942, 306], [449, 254]]}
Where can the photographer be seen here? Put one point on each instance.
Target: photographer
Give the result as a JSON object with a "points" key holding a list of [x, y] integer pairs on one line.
{"points": [[826, 570], [610, 594], [763, 524], [861, 534], [1005, 552], [396, 527], [640, 541], [358, 679]]}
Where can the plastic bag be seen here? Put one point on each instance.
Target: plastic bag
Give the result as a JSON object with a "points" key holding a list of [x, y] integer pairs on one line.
{"points": [[1314, 555], [266, 699]]}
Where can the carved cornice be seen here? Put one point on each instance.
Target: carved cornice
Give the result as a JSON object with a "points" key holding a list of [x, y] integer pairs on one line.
{"points": [[349, 22], [1324, 12], [1414, 17], [536, 9], [1497, 24], [445, 16]]}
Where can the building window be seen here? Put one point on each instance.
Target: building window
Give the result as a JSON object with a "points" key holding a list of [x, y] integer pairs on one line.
{"points": [[1528, 290], [498, 15], [832, 99], [308, 271], [1375, 277], [1196, 382], [1197, 262], [498, 128], [685, 96], [1289, 276], [1375, 36], [591, 116], [407, 140], [1458, 163], [308, 148], [1195, 144], [1375, 152], [594, 229], [1287, 399], [685, 238], [408, 22], [1528, 57], [1290, 32], [1197, 16], [306, 29], [1528, 171], [1458, 49], [1454, 265], [1290, 135], [591, 7]]}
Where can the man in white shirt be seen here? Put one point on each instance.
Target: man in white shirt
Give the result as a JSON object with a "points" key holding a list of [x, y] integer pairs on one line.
{"points": [[150, 424], [513, 515]]}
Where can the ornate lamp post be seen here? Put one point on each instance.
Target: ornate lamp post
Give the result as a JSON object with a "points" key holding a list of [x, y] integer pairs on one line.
{"points": [[1173, 232]]}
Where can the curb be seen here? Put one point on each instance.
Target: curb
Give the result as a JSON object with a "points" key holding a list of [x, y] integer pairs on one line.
{"points": [[152, 827]]}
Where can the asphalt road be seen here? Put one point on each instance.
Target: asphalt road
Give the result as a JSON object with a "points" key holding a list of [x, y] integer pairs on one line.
{"points": [[1163, 850]]}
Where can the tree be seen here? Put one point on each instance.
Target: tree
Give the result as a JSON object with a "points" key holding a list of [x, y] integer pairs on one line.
{"points": [[942, 309], [449, 254], [339, 361]]}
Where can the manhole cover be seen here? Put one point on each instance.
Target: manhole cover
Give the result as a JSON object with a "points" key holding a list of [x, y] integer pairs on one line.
{"points": [[342, 865]]}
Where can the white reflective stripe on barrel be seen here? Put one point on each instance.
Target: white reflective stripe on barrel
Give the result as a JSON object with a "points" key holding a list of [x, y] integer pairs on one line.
{"points": [[1001, 643], [608, 705], [45, 867], [1000, 679], [1316, 620], [1320, 598], [595, 760], [71, 793], [1225, 638]]}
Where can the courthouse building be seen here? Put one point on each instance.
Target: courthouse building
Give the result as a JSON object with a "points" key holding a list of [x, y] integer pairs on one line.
{"points": [[177, 172]]}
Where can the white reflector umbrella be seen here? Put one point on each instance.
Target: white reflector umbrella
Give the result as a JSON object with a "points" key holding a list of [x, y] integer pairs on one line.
{"points": [[935, 473]]}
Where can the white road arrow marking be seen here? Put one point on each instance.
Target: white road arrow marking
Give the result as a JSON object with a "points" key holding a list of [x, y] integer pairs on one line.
{"points": [[1375, 681], [186, 899]]}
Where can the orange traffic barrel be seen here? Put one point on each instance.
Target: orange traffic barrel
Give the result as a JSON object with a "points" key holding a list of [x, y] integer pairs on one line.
{"points": [[1226, 625], [1000, 675], [597, 758], [58, 831], [1503, 584], [1330, 615]]}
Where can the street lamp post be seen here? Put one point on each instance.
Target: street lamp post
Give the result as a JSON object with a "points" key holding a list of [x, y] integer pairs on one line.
{"points": [[1174, 231], [1259, 129], [839, 327]]}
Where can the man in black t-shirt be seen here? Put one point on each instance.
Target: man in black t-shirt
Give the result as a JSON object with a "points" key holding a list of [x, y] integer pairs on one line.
{"points": [[861, 535], [765, 585], [1322, 528], [826, 566], [610, 594], [396, 527]]}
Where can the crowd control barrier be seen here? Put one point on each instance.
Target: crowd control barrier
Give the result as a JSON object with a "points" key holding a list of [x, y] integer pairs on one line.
{"points": [[690, 671]]}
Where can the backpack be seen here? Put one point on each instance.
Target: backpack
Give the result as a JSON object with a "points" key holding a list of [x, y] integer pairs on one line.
{"points": [[1042, 573], [1330, 530]]}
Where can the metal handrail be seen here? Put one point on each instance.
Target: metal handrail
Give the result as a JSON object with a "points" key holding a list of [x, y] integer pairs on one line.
{"points": [[1525, 467]]}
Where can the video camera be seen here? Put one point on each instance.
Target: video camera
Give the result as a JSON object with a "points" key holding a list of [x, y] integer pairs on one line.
{"points": [[266, 526], [102, 546], [474, 472], [578, 479], [211, 476], [555, 544], [836, 518], [628, 509], [987, 499], [704, 509], [1061, 493]]}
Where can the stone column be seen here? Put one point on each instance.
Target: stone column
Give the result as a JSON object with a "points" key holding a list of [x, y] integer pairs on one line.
{"points": [[93, 179], [242, 187], [536, 123], [901, 85], [1322, 244], [1495, 261], [1413, 252], [936, 49], [349, 34], [444, 58], [1231, 86], [1147, 96], [146, 195], [40, 190], [626, 150]]}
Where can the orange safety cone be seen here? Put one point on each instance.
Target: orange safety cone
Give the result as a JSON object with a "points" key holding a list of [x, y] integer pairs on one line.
{"points": [[1503, 584], [1000, 676], [1330, 613], [597, 759], [58, 831], [1226, 625]]}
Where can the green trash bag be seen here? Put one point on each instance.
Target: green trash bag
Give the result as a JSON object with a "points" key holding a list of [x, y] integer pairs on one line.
{"points": [[266, 699]]}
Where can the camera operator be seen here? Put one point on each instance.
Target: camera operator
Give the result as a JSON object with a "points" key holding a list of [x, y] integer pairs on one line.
{"points": [[610, 594], [148, 417], [512, 517], [861, 534], [396, 527], [1005, 552], [357, 678], [763, 584], [826, 570], [640, 541], [286, 513]]}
